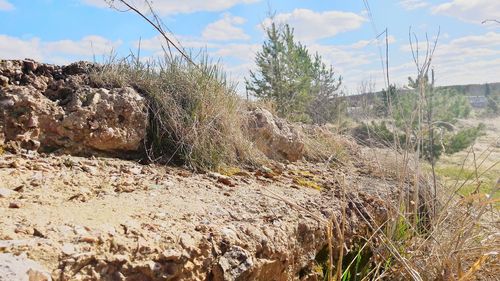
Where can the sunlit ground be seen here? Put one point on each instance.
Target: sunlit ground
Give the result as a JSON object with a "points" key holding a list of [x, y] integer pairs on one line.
{"points": [[458, 171]]}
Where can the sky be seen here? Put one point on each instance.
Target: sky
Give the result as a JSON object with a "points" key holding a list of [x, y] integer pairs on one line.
{"points": [[342, 32]]}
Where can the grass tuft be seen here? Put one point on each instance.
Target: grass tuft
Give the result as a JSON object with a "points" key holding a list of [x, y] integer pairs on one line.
{"points": [[195, 117]]}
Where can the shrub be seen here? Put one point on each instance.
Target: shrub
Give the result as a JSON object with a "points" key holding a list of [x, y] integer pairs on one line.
{"points": [[463, 139], [324, 144], [374, 134], [379, 135]]}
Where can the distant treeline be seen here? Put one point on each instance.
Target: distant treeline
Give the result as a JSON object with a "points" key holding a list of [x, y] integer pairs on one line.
{"points": [[468, 90]]}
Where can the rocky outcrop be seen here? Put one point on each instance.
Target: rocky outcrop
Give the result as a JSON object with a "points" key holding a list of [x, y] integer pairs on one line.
{"points": [[112, 219], [274, 136], [48, 108]]}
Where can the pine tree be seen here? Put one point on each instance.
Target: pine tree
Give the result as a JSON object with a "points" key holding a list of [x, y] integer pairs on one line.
{"points": [[302, 86]]}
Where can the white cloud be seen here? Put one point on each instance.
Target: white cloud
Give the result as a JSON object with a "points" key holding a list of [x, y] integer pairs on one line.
{"points": [[87, 46], [225, 29], [61, 51], [310, 25], [463, 60], [241, 52], [189, 42], [171, 7], [474, 11], [6, 6], [365, 43], [15, 48], [413, 4]]}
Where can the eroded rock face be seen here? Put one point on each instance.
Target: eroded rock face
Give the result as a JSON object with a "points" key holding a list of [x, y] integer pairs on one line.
{"points": [[111, 219], [48, 108], [274, 136]]}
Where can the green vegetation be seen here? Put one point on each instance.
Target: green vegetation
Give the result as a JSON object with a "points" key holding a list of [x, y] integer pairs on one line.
{"points": [[463, 139], [301, 85], [464, 179], [441, 108]]}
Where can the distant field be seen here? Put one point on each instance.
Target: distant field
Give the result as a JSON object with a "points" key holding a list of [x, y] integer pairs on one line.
{"points": [[458, 170]]}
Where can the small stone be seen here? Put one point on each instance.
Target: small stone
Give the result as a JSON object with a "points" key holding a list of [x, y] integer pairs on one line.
{"points": [[221, 178], [134, 170], [32, 122], [121, 258], [89, 169], [14, 205], [38, 233], [225, 180], [88, 239], [32, 145], [187, 241], [109, 229], [68, 249], [64, 230], [80, 230], [4, 192], [23, 230], [15, 164], [171, 255]]}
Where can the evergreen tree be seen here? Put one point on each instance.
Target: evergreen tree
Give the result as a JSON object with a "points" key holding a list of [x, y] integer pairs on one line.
{"points": [[301, 85], [487, 90]]}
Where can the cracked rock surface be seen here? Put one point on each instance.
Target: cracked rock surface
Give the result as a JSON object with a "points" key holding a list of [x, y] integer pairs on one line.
{"points": [[50, 108], [109, 219]]}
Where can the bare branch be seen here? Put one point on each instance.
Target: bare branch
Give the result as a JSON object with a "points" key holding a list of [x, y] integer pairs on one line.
{"points": [[156, 23], [488, 20]]}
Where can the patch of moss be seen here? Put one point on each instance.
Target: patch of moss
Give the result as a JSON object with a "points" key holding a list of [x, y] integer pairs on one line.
{"points": [[306, 183], [229, 171], [302, 173]]}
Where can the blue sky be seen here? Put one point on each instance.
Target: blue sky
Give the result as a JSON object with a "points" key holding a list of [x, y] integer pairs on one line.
{"points": [[62, 31]]}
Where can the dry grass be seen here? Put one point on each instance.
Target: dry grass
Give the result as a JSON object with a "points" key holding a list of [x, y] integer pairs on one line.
{"points": [[195, 113], [325, 144], [459, 242]]}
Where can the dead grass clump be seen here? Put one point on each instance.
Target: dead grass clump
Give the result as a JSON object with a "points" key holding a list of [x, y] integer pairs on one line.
{"points": [[458, 241], [323, 144], [195, 117]]}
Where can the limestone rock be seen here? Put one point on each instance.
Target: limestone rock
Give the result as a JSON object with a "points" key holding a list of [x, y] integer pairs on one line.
{"points": [[82, 121], [234, 265], [5, 192], [274, 136], [46, 108]]}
